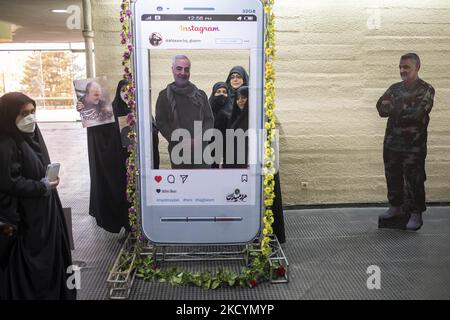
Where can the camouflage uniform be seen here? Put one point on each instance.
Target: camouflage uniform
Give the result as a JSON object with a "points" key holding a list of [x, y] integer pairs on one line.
{"points": [[405, 142]]}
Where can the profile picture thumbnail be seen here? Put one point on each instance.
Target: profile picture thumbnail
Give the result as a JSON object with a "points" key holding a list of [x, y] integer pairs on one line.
{"points": [[155, 39]]}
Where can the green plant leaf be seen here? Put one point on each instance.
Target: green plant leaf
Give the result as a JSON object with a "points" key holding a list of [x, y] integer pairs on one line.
{"points": [[207, 284], [215, 284]]}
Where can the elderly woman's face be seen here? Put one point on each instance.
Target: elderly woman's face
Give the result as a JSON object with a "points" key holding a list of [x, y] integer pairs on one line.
{"points": [[241, 101], [236, 80]]}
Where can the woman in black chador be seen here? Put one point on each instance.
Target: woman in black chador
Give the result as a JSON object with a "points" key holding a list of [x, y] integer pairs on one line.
{"points": [[237, 77], [108, 202], [121, 109], [239, 120], [221, 106], [35, 263]]}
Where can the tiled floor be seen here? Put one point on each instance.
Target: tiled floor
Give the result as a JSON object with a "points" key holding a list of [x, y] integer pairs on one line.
{"points": [[329, 250]]}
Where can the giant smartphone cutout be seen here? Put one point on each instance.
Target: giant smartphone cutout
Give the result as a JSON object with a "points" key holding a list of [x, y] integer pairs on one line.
{"points": [[198, 205]]}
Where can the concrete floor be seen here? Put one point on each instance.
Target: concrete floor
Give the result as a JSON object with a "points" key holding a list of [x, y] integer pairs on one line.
{"points": [[329, 250]]}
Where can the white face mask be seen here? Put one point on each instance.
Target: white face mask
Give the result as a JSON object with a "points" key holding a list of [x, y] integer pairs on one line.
{"points": [[27, 124]]}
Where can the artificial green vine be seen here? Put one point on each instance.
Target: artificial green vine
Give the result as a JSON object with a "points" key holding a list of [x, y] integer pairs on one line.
{"points": [[256, 272]]}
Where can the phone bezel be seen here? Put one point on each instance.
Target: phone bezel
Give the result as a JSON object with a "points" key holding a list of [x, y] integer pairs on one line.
{"points": [[141, 58]]}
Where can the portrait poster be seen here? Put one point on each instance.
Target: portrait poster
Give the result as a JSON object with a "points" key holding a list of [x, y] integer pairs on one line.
{"points": [[93, 102]]}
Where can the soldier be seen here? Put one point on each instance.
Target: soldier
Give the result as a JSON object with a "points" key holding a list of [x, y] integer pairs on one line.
{"points": [[407, 105]]}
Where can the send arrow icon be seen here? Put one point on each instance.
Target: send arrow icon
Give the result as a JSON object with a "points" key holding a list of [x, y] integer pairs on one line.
{"points": [[184, 177]]}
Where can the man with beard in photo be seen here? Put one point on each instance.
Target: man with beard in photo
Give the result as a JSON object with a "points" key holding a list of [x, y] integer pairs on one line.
{"points": [[179, 106]]}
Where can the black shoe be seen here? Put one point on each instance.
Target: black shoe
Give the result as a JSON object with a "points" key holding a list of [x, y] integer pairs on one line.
{"points": [[415, 222], [392, 212]]}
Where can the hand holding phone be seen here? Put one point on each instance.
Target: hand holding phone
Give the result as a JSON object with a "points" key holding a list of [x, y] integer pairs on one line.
{"points": [[53, 172]]}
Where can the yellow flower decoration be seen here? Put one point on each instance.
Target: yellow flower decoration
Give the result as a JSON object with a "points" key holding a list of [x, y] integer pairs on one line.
{"points": [[269, 107]]}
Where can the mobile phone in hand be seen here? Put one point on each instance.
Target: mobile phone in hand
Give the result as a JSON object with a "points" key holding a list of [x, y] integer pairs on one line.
{"points": [[52, 172]]}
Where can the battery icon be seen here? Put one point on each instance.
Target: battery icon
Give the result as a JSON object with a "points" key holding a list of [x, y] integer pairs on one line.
{"points": [[248, 18]]}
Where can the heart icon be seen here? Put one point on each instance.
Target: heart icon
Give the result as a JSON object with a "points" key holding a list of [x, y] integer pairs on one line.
{"points": [[158, 190], [158, 179]]}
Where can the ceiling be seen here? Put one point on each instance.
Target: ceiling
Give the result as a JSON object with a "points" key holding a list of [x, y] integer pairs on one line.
{"points": [[33, 22]]}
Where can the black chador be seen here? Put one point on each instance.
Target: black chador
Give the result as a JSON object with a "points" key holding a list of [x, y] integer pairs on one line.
{"points": [[121, 109], [240, 120], [245, 80], [37, 266], [221, 106], [108, 202]]}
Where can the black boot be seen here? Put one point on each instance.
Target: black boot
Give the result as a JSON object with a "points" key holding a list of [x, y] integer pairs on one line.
{"points": [[392, 212], [415, 222]]}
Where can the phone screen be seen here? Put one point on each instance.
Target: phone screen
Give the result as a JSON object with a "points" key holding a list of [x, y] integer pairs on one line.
{"points": [[183, 49]]}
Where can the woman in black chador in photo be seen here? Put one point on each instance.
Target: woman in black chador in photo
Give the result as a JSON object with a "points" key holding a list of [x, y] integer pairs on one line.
{"points": [[34, 245], [239, 120], [221, 106], [237, 77]]}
